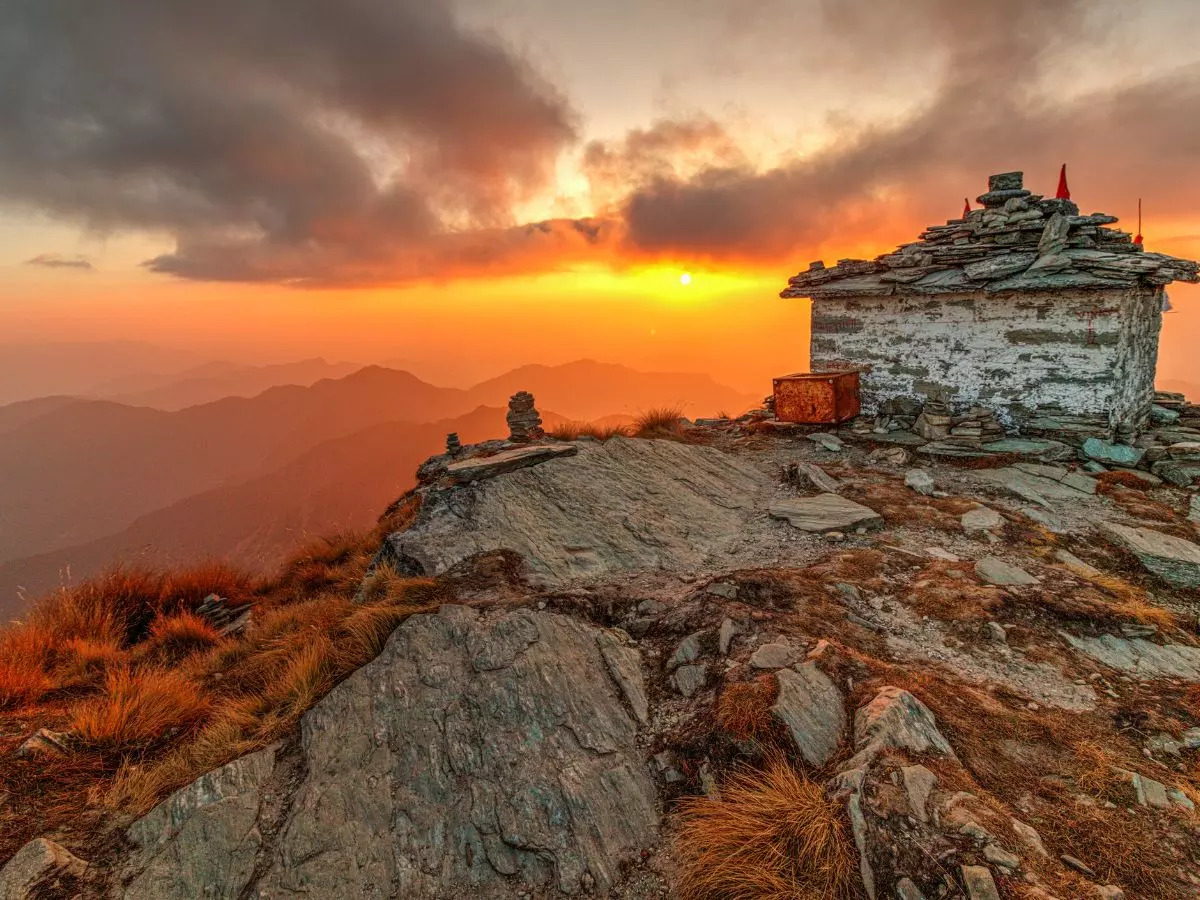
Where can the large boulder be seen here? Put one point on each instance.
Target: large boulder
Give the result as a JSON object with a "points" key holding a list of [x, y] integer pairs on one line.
{"points": [[479, 755], [620, 505]]}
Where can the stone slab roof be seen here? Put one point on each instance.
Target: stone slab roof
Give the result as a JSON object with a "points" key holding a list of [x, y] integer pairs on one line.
{"points": [[1017, 241]]}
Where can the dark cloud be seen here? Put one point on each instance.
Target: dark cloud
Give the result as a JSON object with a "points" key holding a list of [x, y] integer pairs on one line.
{"points": [[271, 136], [991, 111], [55, 261], [374, 141]]}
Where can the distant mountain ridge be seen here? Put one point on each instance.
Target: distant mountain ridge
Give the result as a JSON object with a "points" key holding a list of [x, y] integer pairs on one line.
{"points": [[78, 472], [208, 383]]}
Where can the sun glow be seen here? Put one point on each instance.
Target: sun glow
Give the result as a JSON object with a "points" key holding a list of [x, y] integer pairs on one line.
{"points": [[685, 279]]}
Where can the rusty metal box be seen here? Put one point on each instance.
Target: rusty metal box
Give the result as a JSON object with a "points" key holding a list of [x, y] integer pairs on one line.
{"points": [[817, 398]]}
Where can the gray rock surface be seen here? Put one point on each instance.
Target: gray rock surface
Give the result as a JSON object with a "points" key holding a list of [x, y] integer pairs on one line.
{"points": [[996, 571], [34, 868], [812, 709], [618, 505], [478, 468], [896, 719], [919, 783], [1138, 656], [981, 518], [1172, 559], [773, 656], [824, 512], [476, 754], [979, 883], [1114, 454], [920, 481]]}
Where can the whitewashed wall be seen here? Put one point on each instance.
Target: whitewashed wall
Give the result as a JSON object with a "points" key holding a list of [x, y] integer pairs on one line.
{"points": [[1089, 352]]}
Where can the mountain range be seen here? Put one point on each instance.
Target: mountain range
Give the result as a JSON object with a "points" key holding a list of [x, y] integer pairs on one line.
{"points": [[88, 482]]}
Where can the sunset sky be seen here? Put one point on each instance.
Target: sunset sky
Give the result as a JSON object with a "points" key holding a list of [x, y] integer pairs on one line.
{"points": [[467, 186]]}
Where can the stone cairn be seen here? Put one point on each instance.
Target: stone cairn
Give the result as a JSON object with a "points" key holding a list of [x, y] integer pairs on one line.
{"points": [[453, 444], [1018, 240], [524, 423]]}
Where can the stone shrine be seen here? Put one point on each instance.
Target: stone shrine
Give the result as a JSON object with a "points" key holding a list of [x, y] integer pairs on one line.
{"points": [[1024, 308]]}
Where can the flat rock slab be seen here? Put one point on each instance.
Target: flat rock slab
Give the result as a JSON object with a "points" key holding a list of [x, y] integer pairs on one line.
{"points": [[1138, 656], [619, 505], [824, 512], [812, 709], [476, 752], [1172, 559], [478, 468], [996, 571], [1035, 488], [982, 518], [1041, 449], [1114, 454], [1077, 480]]}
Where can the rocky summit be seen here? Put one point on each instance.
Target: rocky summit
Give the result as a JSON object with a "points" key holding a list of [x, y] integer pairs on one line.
{"points": [[720, 661]]}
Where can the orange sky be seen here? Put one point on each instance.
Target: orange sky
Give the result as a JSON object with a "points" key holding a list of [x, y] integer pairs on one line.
{"points": [[735, 141]]}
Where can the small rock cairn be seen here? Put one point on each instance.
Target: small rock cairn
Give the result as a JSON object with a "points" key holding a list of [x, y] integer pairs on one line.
{"points": [[453, 444], [524, 423]]}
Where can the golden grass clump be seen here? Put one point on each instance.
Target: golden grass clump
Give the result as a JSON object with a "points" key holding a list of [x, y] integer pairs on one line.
{"points": [[174, 638], [664, 423], [744, 708], [1132, 603], [21, 684], [138, 710], [769, 835], [573, 431]]}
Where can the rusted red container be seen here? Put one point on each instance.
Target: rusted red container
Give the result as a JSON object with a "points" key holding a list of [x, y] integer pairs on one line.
{"points": [[817, 398]]}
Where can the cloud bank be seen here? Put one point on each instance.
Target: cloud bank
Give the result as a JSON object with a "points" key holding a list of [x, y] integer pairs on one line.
{"points": [[380, 141], [55, 261]]}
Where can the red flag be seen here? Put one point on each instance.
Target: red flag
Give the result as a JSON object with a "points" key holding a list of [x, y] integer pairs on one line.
{"points": [[1064, 192], [1137, 238], [966, 207]]}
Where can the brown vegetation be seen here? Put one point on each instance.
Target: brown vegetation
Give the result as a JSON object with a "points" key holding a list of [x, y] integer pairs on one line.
{"points": [[769, 835], [152, 696], [137, 711], [900, 505], [1108, 482], [744, 708], [665, 423], [573, 431]]}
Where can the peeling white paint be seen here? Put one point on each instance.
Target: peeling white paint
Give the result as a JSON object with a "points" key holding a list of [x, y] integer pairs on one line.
{"points": [[1090, 352]]}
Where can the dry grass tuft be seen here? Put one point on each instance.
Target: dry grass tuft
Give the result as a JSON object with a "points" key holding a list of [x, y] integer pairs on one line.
{"points": [[664, 423], [899, 505], [1111, 481], [770, 835], [573, 431], [174, 638], [1140, 506], [1132, 603], [744, 708], [21, 684], [951, 592], [138, 710]]}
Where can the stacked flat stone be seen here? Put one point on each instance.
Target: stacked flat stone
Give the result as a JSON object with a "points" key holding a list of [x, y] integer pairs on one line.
{"points": [[453, 444], [934, 422], [976, 427], [524, 423], [1017, 241], [896, 414]]}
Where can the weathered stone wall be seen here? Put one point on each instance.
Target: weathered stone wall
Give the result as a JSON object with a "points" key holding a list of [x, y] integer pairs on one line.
{"points": [[1090, 352], [1137, 358]]}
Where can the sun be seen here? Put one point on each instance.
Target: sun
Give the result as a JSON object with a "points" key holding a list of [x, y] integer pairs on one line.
{"points": [[685, 278]]}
